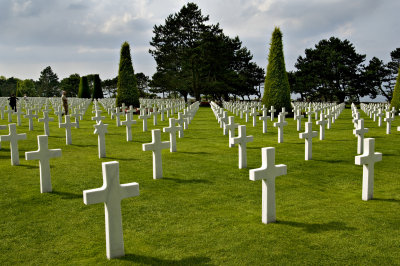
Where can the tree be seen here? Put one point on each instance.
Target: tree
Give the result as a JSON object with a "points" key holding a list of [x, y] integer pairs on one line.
{"points": [[127, 92], [27, 87], [374, 76], [142, 83], [332, 70], [276, 86], [71, 85], [8, 86], [109, 87], [48, 85], [396, 93], [84, 91], [97, 91]]}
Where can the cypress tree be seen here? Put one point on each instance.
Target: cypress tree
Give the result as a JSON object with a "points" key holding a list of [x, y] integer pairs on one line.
{"points": [[276, 86], [97, 91], [396, 94], [127, 91], [84, 91]]}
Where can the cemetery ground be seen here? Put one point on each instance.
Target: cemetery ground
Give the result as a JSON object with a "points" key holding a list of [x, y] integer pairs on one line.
{"points": [[205, 210]]}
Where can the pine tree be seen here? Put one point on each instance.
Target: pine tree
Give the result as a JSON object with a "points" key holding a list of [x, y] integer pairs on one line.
{"points": [[84, 91], [127, 91], [97, 91], [396, 94], [276, 86]]}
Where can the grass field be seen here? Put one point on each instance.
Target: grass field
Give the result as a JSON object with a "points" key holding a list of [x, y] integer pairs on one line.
{"points": [[205, 210]]}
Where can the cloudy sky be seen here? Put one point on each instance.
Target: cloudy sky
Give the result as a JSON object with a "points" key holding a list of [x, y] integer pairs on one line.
{"points": [[85, 36]]}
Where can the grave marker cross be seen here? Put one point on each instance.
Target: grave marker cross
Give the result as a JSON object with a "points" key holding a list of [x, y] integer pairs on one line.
{"points": [[111, 193], [156, 146], [13, 138], [307, 136], [242, 140]]}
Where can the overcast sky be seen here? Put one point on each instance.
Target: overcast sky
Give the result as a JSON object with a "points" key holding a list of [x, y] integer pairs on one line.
{"points": [[84, 37]]}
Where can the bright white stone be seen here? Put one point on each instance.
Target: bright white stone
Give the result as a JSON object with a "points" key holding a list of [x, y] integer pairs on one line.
{"points": [[367, 160], [267, 173], [321, 122], [98, 116], [43, 154], [172, 129], [13, 138], [359, 132], [128, 123], [280, 124], [230, 127], [18, 113], [264, 118], [254, 114], [242, 140], [272, 111], [379, 115], [59, 114], [118, 114], [9, 113], [67, 125], [144, 116], [101, 130], [111, 193], [389, 118], [30, 116], [156, 146], [46, 119], [307, 136], [299, 116]]}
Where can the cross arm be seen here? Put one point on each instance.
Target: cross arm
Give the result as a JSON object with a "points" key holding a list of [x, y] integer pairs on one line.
{"points": [[129, 190], [93, 196]]}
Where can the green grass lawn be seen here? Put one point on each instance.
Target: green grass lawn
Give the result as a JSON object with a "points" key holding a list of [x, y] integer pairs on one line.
{"points": [[205, 210]]}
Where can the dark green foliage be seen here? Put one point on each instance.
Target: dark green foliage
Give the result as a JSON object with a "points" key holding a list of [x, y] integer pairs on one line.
{"points": [[276, 87], [71, 85], [97, 91], [84, 91], [110, 87], [27, 87], [396, 94], [8, 86], [48, 85], [127, 92]]}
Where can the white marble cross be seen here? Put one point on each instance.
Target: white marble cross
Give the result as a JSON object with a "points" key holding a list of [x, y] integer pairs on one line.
{"points": [[13, 138], [389, 118], [272, 111], [46, 119], [77, 115], [59, 114], [9, 113], [156, 146], [101, 130], [242, 140], [30, 116], [154, 113], [144, 116], [267, 173], [359, 132], [254, 114], [181, 122], [111, 193], [67, 125], [356, 119], [117, 114], [328, 117], [230, 127], [128, 123], [246, 113], [299, 116], [280, 124], [380, 115], [2, 127], [98, 116], [172, 129], [309, 114], [2, 109], [307, 136], [19, 113], [321, 122], [43, 154], [264, 118], [367, 160]]}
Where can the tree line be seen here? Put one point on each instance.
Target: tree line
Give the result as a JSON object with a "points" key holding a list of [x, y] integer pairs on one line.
{"points": [[195, 58]]}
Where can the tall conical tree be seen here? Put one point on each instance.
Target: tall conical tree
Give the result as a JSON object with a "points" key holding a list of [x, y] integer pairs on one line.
{"points": [[276, 86], [97, 91], [84, 91], [127, 91], [396, 94]]}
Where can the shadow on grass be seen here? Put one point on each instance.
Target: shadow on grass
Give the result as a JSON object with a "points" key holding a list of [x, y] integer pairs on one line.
{"points": [[56, 137], [188, 181], [388, 200], [318, 228], [84, 145], [147, 260], [67, 195], [29, 166], [120, 159], [193, 152], [331, 161]]}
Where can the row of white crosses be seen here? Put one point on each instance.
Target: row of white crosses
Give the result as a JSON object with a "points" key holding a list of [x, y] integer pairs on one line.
{"points": [[375, 111]]}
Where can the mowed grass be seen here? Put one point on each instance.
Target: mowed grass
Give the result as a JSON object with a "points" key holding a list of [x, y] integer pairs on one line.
{"points": [[205, 210]]}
